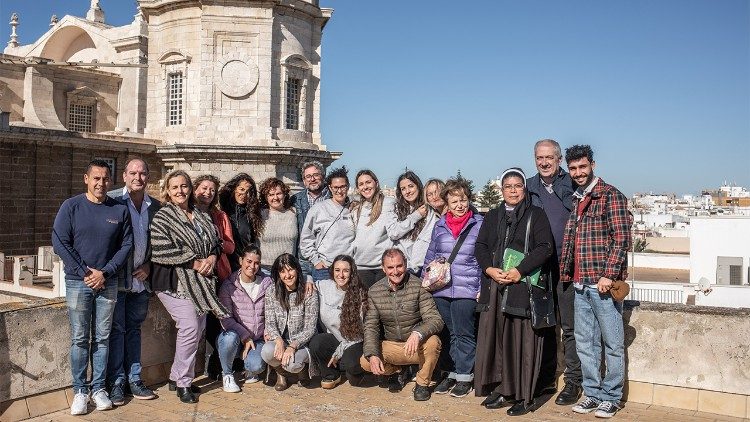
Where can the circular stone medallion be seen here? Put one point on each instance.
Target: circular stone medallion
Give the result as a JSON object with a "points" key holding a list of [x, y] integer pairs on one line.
{"points": [[238, 76]]}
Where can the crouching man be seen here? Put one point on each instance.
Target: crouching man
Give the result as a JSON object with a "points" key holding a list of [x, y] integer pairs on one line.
{"points": [[406, 314]]}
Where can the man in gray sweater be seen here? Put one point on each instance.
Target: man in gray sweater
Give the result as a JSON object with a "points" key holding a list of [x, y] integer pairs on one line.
{"points": [[406, 314]]}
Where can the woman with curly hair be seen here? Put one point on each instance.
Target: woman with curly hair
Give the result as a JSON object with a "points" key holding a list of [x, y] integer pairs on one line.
{"points": [[372, 213], [411, 230], [279, 234], [239, 199], [343, 302]]}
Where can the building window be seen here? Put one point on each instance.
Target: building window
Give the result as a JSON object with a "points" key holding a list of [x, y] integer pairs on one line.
{"points": [[111, 163], [80, 117], [174, 99], [293, 90], [729, 270]]}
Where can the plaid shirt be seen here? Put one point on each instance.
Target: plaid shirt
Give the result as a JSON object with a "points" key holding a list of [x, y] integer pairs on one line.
{"points": [[599, 241]]}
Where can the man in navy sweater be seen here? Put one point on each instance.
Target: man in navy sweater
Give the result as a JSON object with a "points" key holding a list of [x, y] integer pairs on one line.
{"points": [[93, 237], [552, 190]]}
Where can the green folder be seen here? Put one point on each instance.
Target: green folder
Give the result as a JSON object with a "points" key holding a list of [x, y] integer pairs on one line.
{"points": [[511, 259]]}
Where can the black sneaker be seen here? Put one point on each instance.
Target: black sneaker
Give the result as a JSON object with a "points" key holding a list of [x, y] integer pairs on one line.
{"points": [[606, 409], [396, 382], [140, 391], [116, 395], [421, 393], [588, 405], [462, 389], [445, 386]]}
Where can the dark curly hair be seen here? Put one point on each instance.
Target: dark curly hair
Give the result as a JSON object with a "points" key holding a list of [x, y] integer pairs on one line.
{"points": [[355, 301], [404, 208], [340, 172], [211, 178], [576, 152], [273, 183], [282, 295], [226, 200]]}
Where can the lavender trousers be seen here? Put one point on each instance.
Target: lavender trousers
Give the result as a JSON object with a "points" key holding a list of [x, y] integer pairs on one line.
{"points": [[190, 328]]}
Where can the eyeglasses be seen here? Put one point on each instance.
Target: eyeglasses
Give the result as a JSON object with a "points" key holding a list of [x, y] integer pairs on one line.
{"points": [[340, 188], [313, 176], [513, 187]]}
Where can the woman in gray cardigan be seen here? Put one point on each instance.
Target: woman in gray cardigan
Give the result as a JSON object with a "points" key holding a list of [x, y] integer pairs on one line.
{"points": [[291, 320]]}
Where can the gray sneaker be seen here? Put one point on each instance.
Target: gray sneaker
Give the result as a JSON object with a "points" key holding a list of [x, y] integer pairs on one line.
{"points": [[588, 405], [101, 400], [606, 409]]}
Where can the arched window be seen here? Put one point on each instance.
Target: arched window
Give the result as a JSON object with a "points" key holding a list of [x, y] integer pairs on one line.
{"points": [[295, 109]]}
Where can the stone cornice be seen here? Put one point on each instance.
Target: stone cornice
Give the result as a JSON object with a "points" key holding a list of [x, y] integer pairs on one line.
{"points": [[238, 152]]}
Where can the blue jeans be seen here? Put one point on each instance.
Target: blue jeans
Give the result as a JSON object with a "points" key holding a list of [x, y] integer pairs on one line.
{"points": [[230, 347], [459, 317], [307, 267], [125, 339], [320, 274], [87, 307], [598, 320]]}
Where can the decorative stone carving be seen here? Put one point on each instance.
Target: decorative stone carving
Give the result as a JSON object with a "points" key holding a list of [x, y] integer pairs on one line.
{"points": [[236, 75]]}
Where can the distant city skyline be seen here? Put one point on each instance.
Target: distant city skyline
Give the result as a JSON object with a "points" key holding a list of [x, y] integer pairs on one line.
{"points": [[661, 90]]}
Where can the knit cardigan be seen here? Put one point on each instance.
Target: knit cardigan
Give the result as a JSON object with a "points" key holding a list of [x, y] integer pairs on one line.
{"points": [[176, 242]]}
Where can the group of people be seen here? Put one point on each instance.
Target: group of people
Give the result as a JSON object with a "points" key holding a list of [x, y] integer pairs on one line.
{"points": [[323, 284]]}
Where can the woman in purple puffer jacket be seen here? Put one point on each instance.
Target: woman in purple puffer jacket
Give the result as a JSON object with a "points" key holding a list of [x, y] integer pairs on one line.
{"points": [[456, 302], [242, 336]]}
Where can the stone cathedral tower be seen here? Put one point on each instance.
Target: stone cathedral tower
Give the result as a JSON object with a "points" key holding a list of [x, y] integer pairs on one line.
{"points": [[234, 85]]}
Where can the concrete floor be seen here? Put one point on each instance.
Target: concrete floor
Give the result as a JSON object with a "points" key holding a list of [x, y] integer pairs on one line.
{"points": [[260, 402]]}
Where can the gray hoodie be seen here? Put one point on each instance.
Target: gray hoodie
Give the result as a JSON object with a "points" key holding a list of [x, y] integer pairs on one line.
{"points": [[328, 231], [371, 241], [415, 250]]}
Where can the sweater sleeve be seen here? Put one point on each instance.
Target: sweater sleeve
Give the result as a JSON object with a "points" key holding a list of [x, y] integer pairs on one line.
{"points": [[307, 238], [62, 241], [619, 222], [372, 344], [431, 323], [486, 240], [432, 249], [126, 244], [311, 305], [541, 238], [225, 231], [398, 229], [272, 327]]}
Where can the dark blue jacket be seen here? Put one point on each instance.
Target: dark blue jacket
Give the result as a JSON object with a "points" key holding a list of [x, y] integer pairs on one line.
{"points": [[562, 185]]}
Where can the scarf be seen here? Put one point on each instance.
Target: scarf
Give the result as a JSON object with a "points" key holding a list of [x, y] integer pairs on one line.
{"points": [[176, 242], [455, 224]]}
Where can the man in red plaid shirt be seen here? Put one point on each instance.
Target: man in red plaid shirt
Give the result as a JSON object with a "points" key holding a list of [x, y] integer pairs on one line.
{"points": [[595, 246]]}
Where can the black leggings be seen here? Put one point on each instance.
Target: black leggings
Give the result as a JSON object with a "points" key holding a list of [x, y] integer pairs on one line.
{"points": [[323, 345]]}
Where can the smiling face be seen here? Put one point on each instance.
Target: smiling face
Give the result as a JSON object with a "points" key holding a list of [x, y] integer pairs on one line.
{"points": [[179, 191], [458, 203], [250, 265], [241, 192], [394, 268], [513, 191], [205, 192], [312, 178], [97, 183], [366, 186], [338, 187], [288, 276], [581, 171], [135, 176], [547, 160], [432, 192], [342, 273], [409, 190], [275, 198]]}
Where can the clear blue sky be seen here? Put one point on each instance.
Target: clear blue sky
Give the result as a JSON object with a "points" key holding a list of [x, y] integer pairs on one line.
{"points": [[660, 89]]}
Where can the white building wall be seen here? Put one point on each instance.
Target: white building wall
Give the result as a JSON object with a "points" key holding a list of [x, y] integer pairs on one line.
{"points": [[711, 237]]}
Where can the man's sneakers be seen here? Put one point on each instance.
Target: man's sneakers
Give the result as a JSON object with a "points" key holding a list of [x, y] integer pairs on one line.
{"points": [[445, 386], [397, 381], [462, 389], [421, 393], [606, 409], [588, 405], [101, 400], [230, 385], [117, 395], [139, 391], [80, 404]]}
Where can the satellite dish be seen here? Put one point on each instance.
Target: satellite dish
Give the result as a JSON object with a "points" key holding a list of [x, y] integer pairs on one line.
{"points": [[704, 286]]}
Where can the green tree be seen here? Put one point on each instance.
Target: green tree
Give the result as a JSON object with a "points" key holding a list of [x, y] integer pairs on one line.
{"points": [[490, 196], [459, 176]]}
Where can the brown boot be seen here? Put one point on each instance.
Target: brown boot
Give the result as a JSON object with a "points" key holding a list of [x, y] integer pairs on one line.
{"points": [[303, 377], [281, 383]]}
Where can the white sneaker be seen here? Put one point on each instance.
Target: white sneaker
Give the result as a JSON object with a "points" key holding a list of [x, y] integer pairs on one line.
{"points": [[102, 401], [80, 404], [230, 386], [252, 379]]}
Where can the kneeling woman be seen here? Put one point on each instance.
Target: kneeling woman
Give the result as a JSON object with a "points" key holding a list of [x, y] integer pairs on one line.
{"points": [[291, 320], [343, 301], [243, 294]]}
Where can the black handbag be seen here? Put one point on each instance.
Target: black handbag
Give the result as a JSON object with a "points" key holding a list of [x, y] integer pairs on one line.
{"points": [[541, 301]]}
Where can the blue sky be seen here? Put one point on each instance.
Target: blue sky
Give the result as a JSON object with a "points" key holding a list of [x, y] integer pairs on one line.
{"points": [[660, 89]]}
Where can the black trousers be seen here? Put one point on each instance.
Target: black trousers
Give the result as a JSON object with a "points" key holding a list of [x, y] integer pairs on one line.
{"points": [[564, 300], [370, 277], [323, 345]]}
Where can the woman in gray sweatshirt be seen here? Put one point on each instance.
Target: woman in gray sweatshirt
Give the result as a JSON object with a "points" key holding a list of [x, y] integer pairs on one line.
{"points": [[373, 213], [328, 230]]}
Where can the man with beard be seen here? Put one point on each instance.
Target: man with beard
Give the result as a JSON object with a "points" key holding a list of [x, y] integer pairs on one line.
{"points": [[315, 191]]}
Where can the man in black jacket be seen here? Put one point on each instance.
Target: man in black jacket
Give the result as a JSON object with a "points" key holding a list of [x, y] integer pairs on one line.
{"points": [[552, 190]]}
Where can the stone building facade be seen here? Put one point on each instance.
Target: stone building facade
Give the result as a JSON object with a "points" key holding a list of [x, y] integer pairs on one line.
{"points": [[218, 86]]}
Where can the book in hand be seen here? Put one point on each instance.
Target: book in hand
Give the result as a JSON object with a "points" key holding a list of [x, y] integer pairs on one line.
{"points": [[512, 258]]}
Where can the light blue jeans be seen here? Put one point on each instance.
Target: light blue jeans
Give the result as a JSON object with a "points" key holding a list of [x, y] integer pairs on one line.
{"points": [[87, 308], [598, 320], [230, 347]]}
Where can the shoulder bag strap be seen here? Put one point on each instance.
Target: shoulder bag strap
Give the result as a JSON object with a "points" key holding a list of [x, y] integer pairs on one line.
{"points": [[459, 242]]}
